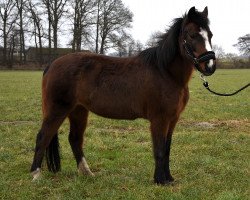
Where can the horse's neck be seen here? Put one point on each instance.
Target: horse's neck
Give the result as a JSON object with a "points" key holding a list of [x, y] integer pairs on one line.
{"points": [[181, 70]]}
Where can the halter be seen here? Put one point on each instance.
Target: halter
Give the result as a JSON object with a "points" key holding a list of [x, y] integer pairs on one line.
{"points": [[202, 58]]}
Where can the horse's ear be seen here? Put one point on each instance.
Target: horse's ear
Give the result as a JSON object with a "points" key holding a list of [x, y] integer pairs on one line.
{"points": [[205, 12], [191, 13]]}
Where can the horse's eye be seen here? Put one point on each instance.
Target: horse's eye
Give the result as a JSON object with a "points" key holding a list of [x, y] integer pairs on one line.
{"points": [[194, 35]]}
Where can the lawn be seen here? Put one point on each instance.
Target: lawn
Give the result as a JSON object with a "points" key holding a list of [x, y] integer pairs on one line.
{"points": [[210, 156]]}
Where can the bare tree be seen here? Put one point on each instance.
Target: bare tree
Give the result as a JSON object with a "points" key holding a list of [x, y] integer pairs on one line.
{"points": [[35, 17], [121, 43], [113, 18], [55, 10], [138, 46], [244, 44], [219, 51], [153, 39], [97, 26], [13, 42], [8, 19], [20, 5], [82, 20]]}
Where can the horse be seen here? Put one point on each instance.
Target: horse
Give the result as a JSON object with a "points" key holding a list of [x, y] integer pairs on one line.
{"points": [[152, 85]]}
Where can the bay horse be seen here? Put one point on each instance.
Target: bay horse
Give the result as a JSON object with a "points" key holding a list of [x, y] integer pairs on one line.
{"points": [[152, 85]]}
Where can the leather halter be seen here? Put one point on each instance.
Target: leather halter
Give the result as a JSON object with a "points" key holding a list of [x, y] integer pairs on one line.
{"points": [[202, 58]]}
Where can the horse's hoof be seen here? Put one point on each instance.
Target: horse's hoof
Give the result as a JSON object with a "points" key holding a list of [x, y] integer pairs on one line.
{"points": [[36, 174], [163, 181], [160, 180], [85, 172], [83, 168], [169, 179]]}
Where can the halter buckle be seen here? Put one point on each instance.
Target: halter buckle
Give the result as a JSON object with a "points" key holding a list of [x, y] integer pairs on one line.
{"points": [[203, 78]]}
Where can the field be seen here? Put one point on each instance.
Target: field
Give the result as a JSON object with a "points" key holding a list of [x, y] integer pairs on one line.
{"points": [[210, 156]]}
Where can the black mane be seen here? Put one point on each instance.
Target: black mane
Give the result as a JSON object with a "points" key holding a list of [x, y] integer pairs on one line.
{"points": [[167, 46]]}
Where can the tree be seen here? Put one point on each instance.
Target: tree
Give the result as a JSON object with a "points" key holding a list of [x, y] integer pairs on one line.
{"points": [[113, 18], [8, 20], [244, 44], [153, 39], [134, 47], [121, 43], [13, 42], [219, 51], [82, 15], [55, 11], [20, 5], [97, 26], [37, 31]]}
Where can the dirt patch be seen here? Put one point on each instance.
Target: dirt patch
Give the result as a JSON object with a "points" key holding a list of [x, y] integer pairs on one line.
{"points": [[16, 122], [214, 124], [245, 122], [205, 125]]}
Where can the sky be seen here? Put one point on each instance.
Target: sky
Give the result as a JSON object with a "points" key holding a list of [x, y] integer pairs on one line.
{"points": [[229, 19]]}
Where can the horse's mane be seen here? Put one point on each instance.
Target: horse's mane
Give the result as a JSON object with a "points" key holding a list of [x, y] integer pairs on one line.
{"points": [[167, 46]]}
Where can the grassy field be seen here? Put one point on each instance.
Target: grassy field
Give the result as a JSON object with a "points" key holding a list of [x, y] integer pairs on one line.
{"points": [[210, 152]]}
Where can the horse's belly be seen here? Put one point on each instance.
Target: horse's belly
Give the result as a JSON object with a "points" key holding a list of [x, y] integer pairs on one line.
{"points": [[114, 108], [114, 112]]}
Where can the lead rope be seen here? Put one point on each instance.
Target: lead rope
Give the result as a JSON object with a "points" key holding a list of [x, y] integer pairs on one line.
{"points": [[206, 85]]}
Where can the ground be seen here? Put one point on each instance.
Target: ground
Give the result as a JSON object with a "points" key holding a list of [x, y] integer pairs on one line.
{"points": [[210, 152]]}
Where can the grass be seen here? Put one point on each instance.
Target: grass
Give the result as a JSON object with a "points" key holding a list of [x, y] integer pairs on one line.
{"points": [[209, 160]]}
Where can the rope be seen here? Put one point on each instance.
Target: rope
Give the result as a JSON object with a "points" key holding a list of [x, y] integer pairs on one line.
{"points": [[206, 85]]}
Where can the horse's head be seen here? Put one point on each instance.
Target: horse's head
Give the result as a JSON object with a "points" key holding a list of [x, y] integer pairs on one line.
{"points": [[195, 41]]}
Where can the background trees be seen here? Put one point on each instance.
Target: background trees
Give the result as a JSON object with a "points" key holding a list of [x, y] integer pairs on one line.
{"points": [[113, 20], [7, 21], [46, 25], [244, 44], [101, 26], [82, 15]]}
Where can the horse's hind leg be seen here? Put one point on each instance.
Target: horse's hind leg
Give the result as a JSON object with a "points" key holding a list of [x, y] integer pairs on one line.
{"points": [[78, 122], [47, 134]]}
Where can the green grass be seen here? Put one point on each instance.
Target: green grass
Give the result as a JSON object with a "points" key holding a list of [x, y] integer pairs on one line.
{"points": [[208, 160]]}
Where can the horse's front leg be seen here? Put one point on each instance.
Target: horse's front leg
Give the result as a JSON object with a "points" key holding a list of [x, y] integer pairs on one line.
{"points": [[168, 175], [161, 148], [171, 128]]}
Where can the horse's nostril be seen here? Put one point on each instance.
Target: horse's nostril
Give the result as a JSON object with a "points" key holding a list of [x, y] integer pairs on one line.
{"points": [[210, 64], [210, 67]]}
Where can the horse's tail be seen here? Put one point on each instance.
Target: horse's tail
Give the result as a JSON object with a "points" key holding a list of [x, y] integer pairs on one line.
{"points": [[44, 98], [53, 155], [52, 151], [46, 69]]}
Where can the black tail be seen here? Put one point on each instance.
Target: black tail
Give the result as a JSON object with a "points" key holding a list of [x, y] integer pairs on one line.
{"points": [[45, 70], [53, 155]]}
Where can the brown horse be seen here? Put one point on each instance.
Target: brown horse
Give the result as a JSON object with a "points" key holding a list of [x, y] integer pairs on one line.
{"points": [[152, 85]]}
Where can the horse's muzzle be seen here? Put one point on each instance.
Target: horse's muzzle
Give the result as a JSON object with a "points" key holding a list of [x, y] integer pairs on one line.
{"points": [[209, 60], [209, 68]]}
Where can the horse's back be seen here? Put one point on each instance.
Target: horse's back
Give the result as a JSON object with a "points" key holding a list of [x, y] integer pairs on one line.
{"points": [[108, 86]]}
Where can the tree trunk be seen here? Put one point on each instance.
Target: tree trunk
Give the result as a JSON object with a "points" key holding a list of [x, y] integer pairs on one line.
{"points": [[97, 27], [4, 43]]}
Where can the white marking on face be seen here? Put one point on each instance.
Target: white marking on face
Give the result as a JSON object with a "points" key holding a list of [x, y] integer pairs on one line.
{"points": [[204, 34]]}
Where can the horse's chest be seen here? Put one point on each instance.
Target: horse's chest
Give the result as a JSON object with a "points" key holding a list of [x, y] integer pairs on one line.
{"points": [[176, 102], [183, 99]]}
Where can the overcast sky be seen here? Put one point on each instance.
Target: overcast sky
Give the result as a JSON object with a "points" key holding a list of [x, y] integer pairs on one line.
{"points": [[229, 19]]}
